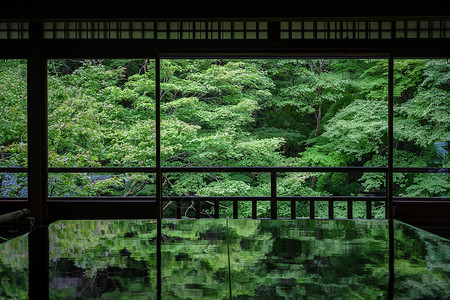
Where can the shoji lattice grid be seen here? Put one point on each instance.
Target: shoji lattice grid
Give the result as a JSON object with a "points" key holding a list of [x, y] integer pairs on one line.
{"points": [[156, 30], [13, 30], [235, 30], [336, 30], [431, 29], [345, 29]]}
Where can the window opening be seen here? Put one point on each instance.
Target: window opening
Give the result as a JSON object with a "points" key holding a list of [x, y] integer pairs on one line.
{"points": [[13, 130]]}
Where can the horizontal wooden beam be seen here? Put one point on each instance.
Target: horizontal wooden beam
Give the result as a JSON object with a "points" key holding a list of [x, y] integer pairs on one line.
{"points": [[121, 48], [227, 169], [216, 9], [58, 210]]}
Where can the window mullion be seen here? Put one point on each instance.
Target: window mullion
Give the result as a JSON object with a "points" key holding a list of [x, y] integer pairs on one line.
{"points": [[158, 137]]}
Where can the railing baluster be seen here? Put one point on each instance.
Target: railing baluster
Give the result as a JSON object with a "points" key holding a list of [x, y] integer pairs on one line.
{"points": [[216, 209], [179, 208], [293, 210], [273, 194], [235, 209], [386, 211], [197, 208], [330, 209], [368, 209], [312, 211], [254, 209], [386, 205], [349, 209]]}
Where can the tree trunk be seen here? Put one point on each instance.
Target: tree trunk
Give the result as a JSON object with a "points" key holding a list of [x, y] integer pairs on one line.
{"points": [[319, 111], [318, 119]]}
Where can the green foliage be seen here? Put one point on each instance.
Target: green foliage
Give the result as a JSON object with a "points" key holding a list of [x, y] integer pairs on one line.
{"points": [[359, 129], [407, 77], [13, 113], [424, 118]]}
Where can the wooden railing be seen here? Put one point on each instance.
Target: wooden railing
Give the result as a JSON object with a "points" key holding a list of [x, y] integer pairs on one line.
{"points": [[273, 197]]}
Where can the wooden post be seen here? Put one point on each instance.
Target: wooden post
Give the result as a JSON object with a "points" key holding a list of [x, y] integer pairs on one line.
{"points": [[38, 256], [37, 127], [273, 194]]}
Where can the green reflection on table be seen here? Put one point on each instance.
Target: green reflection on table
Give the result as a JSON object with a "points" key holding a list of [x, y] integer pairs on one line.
{"points": [[242, 259]]}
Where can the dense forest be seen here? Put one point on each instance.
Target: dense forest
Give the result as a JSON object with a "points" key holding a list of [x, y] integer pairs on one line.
{"points": [[234, 112]]}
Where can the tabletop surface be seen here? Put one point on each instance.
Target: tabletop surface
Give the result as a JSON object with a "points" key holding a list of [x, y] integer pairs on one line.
{"points": [[224, 259]]}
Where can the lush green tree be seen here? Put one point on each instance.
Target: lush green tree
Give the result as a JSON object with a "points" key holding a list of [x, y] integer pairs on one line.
{"points": [[13, 113], [228, 112]]}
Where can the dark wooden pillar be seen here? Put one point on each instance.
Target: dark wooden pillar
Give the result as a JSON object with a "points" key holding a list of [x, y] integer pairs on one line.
{"points": [[159, 205], [37, 126], [38, 255], [273, 195]]}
